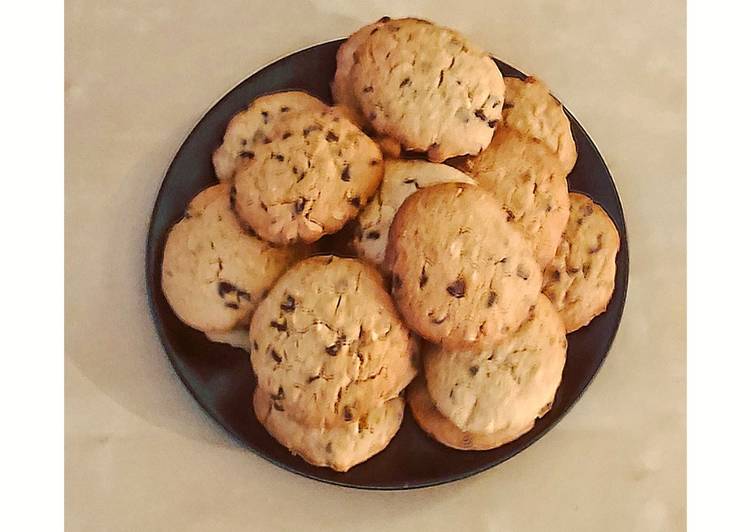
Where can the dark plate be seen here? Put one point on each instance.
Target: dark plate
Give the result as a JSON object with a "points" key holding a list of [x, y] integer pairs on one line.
{"points": [[219, 376]]}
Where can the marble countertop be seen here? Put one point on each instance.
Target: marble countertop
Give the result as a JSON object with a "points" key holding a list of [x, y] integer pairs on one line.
{"points": [[142, 455]]}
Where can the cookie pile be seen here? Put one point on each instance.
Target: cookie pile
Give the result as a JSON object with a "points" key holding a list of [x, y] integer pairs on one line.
{"points": [[467, 262]]}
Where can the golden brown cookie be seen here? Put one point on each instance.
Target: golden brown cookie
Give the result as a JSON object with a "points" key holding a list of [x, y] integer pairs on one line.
{"points": [[530, 182], [328, 343], [581, 277], [313, 175], [462, 276], [214, 272], [340, 447], [504, 388], [443, 431]]}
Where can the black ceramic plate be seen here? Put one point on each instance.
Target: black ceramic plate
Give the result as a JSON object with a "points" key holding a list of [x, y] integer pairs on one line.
{"points": [[219, 376]]}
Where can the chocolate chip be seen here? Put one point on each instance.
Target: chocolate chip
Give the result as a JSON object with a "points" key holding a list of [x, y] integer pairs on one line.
{"points": [[598, 247], [278, 407], [264, 207], [355, 201], [509, 215], [279, 394], [275, 356], [481, 114], [284, 109], [328, 447], [374, 30], [243, 142], [225, 288], [405, 82], [333, 349], [266, 140], [456, 289], [232, 197], [587, 209], [374, 162], [289, 304], [507, 105], [255, 345], [308, 130], [423, 277], [440, 80], [492, 123], [279, 157], [347, 414], [265, 116], [534, 188], [286, 135], [384, 19], [409, 181], [300, 205], [247, 154], [232, 305], [332, 137], [368, 89], [585, 270], [345, 174], [473, 370], [313, 378], [548, 208], [492, 296], [572, 271], [373, 235], [556, 275], [278, 326]]}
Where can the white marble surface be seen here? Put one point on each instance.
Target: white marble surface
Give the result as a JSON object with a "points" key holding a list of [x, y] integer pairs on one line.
{"points": [[140, 453]]}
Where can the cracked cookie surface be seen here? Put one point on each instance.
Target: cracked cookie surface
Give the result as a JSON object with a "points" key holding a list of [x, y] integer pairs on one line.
{"points": [[530, 109], [401, 179], [441, 429], [581, 277], [327, 342], [462, 276], [506, 387], [253, 125], [214, 273], [313, 175], [428, 88], [531, 185], [340, 447]]}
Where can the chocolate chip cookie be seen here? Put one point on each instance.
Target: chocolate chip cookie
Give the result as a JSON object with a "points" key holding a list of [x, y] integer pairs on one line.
{"points": [[401, 178], [530, 182], [328, 344], [462, 275], [428, 88], [504, 388], [214, 272], [441, 429], [315, 173], [340, 447], [532, 111], [581, 277], [252, 126]]}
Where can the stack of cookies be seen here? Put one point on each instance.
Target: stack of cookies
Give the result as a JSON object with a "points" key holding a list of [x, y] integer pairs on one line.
{"points": [[471, 259]]}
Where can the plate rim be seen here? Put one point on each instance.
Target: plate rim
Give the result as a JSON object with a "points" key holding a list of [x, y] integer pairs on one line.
{"points": [[152, 253]]}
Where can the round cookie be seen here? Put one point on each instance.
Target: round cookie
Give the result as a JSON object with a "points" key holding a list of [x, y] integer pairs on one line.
{"points": [[530, 183], [401, 178], [314, 174], [253, 125], [328, 342], [462, 276], [438, 427], [504, 388], [214, 273], [428, 88], [340, 447], [532, 111], [581, 277], [341, 86]]}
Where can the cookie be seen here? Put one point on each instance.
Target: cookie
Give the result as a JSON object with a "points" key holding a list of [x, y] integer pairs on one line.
{"points": [[581, 277], [530, 183], [341, 86], [236, 338], [462, 276], [328, 342], [252, 126], [532, 111], [504, 388], [401, 178], [214, 273], [438, 426], [313, 175], [340, 447], [428, 88]]}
